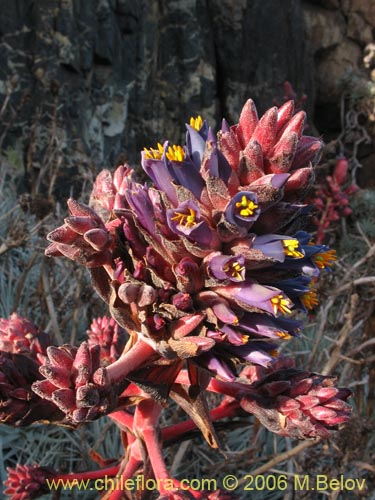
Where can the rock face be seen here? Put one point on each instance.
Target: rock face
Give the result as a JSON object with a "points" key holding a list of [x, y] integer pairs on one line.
{"points": [[92, 83], [337, 33], [86, 85]]}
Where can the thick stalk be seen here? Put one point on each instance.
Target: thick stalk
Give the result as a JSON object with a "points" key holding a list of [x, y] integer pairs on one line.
{"points": [[146, 420], [93, 474], [133, 464], [131, 360], [232, 389]]}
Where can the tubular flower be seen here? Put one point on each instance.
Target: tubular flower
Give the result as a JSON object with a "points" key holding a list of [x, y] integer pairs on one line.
{"points": [[196, 264], [26, 482]]}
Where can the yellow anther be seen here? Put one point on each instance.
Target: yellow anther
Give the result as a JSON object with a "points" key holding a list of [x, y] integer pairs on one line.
{"points": [[235, 321], [247, 207], [290, 248], [282, 304], [324, 259], [283, 335], [244, 338], [154, 154], [175, 153], [186, 220], [274, 353], [235, 270], [197, 122]]}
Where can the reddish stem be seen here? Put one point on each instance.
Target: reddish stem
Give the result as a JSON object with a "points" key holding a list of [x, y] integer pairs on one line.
{"points": [[146, 420], [123, 420], [131, 360], [93, 474], [133, 464], [177, 430], [232, 389]]}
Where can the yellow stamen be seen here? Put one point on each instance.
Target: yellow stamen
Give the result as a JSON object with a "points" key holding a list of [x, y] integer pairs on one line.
{"points": [[235, 321], [154, 154], [196, 123], [310, 299], [274, 353], [184, 219], [282, 304], [290, 248], [247, 207], [175, 153], [235, 270], [284, 335], [324, 259]]}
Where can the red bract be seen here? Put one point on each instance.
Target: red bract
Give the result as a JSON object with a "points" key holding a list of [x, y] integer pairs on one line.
{"points": [[69, 384]]}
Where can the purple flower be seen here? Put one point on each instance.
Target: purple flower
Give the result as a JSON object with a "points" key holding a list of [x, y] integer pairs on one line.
{"points": [[186, 220], [226, 267], [243, 210], [252, 295]]}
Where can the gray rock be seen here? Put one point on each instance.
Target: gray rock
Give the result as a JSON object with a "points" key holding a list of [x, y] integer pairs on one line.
{"points": [[92, 83]]}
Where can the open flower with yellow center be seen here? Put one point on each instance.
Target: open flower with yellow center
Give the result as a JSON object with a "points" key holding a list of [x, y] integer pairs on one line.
{"points": [[281, 304], [186, 220], [246, 207]]}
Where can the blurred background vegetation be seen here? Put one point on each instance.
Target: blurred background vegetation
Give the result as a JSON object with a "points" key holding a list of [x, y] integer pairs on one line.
{"points": [[86, 85]]}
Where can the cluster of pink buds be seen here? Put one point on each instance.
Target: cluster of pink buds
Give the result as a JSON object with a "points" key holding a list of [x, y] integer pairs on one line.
{"points": [[19, 335], [331, 199], [204, 269], [109, 336]]}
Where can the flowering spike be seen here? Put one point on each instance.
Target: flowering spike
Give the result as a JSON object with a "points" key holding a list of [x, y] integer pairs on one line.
{"points": [[204, 263]]}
